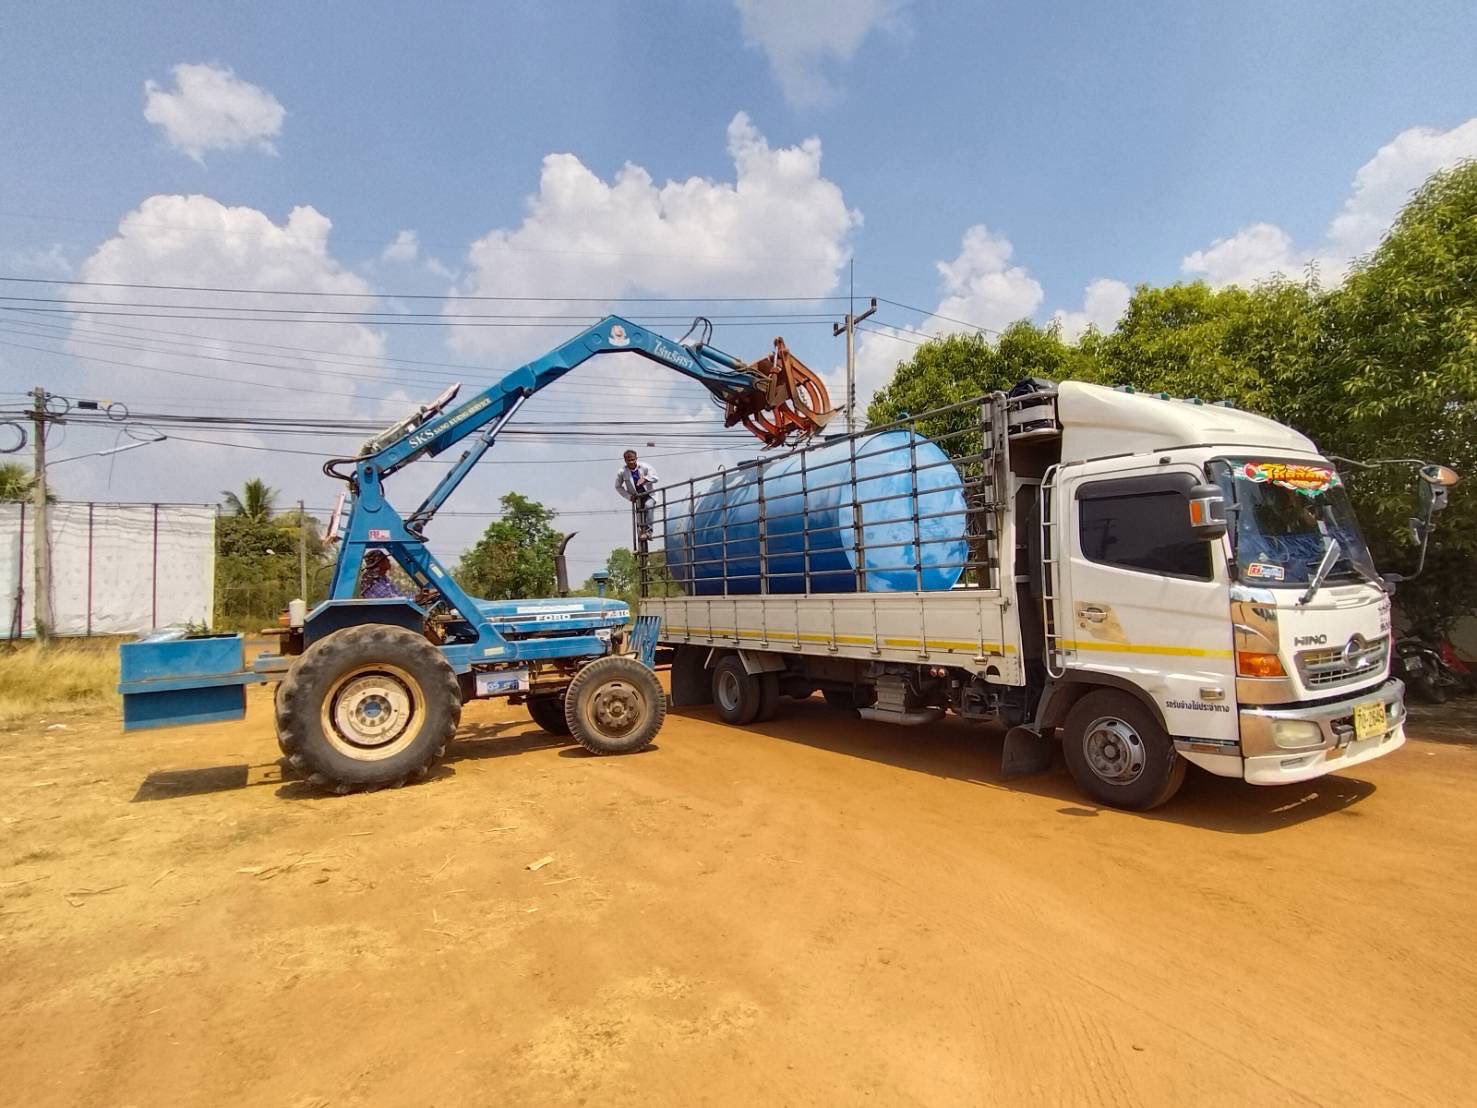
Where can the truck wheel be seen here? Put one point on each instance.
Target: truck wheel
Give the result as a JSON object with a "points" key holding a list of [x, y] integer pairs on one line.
{"points": [[548, 713], [1119, 754], [769, 697], [736, 693], [368, 707], [615, 705]]}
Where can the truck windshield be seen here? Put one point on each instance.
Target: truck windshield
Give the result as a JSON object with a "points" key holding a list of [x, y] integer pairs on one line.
{"points": [[1283, 514]]}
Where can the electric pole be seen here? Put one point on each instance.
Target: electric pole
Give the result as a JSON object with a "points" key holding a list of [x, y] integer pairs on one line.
{"points": [[302, 551], [41, 604], [849, 327]]}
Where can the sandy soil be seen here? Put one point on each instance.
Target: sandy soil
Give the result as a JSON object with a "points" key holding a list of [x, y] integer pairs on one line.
{"points": [[813, 911]]}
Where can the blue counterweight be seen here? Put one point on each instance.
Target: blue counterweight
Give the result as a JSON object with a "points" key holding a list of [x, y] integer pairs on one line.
{"points": [[890, 505]]}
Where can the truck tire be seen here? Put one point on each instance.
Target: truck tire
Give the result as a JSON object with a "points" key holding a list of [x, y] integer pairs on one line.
{"points": [[737, 694], [548, 713], [367, 707], [769, 697], [615, 705], [1119, 754]]}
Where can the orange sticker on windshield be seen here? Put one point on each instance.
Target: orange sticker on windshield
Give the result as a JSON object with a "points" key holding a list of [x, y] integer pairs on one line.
{"points": [[1306, 479]]}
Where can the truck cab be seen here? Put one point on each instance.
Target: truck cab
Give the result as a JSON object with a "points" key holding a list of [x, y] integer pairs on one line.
{"points": [[1263, 653]]}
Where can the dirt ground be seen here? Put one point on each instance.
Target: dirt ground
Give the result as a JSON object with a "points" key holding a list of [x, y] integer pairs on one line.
{"points": [[813, 911]]}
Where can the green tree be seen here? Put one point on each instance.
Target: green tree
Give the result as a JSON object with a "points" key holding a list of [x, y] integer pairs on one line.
{"points": [[256, 569], [514, 558], [255, 500], [1401, 382], [16, 483]]}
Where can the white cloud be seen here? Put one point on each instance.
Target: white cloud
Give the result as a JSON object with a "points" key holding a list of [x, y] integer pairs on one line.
{"points": [[406, 247], [195, 241], [210, 108], [779, 228], [1380, 188], [983, 288], [1252, 254], [982, 291], [52, 261], [1103, 304], [799, 39]]}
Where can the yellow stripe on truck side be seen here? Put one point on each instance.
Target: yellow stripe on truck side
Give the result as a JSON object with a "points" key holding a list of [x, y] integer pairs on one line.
{"points": [[1142, 648], [782, 636]]}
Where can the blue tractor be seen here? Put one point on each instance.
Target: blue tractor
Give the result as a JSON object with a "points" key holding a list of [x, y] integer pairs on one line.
{"points": [[370, 691]]}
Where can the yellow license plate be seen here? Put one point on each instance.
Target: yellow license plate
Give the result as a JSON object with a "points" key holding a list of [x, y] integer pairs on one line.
{"points": [[1369, 720]]}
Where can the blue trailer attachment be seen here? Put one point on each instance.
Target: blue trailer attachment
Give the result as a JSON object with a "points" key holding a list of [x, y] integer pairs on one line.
{"points": [[167, 680]]}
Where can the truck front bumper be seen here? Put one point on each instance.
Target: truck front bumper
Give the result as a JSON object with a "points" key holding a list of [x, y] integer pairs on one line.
{"points": [[1266, 763]]}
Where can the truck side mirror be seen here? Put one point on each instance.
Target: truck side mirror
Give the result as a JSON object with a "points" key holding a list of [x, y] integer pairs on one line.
{"points": [[1435, 481], [1207, 512]]}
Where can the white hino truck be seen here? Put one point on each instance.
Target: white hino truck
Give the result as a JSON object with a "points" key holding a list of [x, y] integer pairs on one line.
{"points": [[1151, 582]]}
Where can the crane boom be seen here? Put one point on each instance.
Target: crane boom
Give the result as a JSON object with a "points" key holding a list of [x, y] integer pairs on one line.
{"points": [[777, 398]]}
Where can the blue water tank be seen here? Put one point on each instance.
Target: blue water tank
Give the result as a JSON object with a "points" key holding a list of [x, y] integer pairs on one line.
{"points": [[811, 527]]}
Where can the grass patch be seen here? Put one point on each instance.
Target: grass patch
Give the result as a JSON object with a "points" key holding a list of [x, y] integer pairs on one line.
{"points": [[59, 677]]}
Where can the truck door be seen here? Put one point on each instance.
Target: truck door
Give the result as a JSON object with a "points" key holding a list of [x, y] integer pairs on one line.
{"points": [[1143, 599]]}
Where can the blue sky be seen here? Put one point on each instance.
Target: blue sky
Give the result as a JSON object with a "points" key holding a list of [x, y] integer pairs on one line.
{"points": [[1094, 142]]}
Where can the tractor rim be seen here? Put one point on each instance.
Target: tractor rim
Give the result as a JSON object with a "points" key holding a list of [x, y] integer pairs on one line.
{"points": [[617, 708], [373, 713]]}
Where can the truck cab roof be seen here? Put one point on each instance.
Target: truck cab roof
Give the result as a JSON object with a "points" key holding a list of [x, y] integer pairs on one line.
{"points": [[1100, 422]]}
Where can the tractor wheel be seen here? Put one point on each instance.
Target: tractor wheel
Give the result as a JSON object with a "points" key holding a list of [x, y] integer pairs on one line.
{"points": [[368, 707], [548, 713], [615, 705]]}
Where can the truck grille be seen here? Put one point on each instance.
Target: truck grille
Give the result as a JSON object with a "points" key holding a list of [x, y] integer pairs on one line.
{"points": [[1357, 659]]}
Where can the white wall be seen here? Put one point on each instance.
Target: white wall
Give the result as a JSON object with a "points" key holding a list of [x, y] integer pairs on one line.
{"points": [[116, 569]]}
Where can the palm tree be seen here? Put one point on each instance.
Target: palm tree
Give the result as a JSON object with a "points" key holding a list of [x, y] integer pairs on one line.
{"points": [[255, 502], [16, 483]]}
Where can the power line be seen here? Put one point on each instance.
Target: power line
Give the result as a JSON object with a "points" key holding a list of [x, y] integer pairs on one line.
{"points": [[270, 313], [439, 321], [936, 315]]}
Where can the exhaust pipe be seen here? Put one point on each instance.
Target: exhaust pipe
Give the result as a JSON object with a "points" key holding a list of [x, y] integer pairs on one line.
{"points": [[561, 566]]}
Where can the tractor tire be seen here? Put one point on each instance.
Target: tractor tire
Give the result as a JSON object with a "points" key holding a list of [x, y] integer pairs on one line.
{"points": [[548, 713], [1119, 754], [737, 694], [615, 705], [277, 716], [769, 697], [367, 708]]}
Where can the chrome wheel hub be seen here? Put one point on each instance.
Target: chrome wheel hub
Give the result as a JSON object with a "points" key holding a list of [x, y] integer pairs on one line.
{"points": [[1114, 750], [728, 691]]}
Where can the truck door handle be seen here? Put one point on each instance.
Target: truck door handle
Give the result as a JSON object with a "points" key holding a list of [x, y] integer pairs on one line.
{"points": [[1092, 613]]}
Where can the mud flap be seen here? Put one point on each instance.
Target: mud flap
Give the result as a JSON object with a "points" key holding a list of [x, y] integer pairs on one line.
{"points": [[691, 684], [1026, 751]]}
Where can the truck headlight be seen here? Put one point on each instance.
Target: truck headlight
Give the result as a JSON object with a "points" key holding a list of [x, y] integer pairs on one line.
{"points": [[1296, 734]]}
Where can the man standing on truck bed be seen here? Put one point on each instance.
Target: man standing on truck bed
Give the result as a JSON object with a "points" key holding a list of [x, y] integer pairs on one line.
{"points": [[635, 480]]}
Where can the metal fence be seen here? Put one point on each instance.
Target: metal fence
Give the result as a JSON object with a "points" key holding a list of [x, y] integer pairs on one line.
{"points": [[914, 510]]}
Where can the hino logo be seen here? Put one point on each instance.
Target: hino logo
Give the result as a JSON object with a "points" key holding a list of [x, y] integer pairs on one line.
{"points": [[1354, 652], [1309, 640]]}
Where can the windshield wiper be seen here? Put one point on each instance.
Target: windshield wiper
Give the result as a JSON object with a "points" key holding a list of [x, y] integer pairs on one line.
{"points": [[1331, 554]]}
